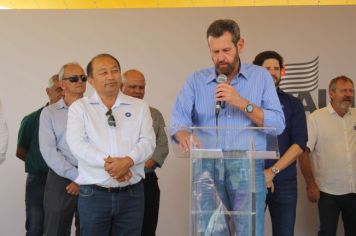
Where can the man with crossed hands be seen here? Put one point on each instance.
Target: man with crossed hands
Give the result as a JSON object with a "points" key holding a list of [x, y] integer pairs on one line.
{"points": [[111, 135]]}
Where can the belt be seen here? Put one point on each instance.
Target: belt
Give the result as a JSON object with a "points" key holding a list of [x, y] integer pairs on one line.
{"points": [[116, 189]]}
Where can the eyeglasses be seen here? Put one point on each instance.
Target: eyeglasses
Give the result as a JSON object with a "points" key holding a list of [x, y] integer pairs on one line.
{"points": [[76, 78], [111, 118]]}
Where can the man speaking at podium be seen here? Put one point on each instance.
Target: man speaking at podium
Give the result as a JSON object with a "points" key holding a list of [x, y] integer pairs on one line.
{"points": [[247, 99]]}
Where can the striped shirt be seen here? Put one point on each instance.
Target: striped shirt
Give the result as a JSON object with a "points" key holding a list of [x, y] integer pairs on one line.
{"points": [[195, 104]]}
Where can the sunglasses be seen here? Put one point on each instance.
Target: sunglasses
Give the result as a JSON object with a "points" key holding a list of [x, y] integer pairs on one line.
{"points": [[76, 78], [111, 118]]}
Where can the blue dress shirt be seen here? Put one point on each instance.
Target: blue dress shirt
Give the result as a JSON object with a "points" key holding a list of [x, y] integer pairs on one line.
{"points": [[53, 144], [195, 104]]}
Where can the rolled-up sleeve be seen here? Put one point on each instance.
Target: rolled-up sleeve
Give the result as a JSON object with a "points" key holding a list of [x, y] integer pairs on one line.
{"points": [[271, 106], [299, 133], [181, 116]]}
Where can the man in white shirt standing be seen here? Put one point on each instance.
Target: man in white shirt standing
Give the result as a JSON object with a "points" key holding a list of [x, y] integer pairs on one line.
{"points": [[111, 135], [330, 170], [4, 136]]}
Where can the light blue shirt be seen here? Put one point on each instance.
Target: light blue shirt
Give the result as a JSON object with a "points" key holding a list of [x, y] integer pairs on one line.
{"points": [[195, 104], [53, 144]]}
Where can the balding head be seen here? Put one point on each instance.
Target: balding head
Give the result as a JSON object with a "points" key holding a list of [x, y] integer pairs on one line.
{"points": [[133, 84]]}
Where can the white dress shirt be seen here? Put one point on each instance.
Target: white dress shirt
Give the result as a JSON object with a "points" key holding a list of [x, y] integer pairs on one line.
{"points": [[91, 139], [4, 136], [332, 142]]}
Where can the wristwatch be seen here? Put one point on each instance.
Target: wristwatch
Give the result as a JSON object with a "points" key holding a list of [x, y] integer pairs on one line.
{"points": [[275, 170], [249, 108]]}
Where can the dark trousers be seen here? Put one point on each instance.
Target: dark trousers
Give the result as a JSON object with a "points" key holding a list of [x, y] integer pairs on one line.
{"points": [[330, 207], [152, 196], [282, 205], [35, 185], [104, 213], [60, 207]]}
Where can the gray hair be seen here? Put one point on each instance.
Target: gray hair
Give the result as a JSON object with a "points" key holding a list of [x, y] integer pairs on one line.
{"points": [[332, 84], [51, 80], [61, 71], [124, 75]]}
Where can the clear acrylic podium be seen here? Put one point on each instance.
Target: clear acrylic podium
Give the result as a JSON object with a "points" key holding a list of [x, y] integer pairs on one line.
{"points": [[226, 177]]}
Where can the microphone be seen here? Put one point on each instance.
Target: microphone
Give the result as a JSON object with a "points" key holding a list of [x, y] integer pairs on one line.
{"points": [[220, 79]]}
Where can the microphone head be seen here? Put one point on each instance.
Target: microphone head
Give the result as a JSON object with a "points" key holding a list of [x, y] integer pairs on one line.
{"points": [[221, 79]]}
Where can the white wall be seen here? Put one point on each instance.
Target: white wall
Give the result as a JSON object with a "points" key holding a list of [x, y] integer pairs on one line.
{"points": [[167, 45]]}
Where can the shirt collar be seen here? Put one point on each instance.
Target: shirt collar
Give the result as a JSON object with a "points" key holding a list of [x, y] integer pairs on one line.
{"points": [[60, 104], [121, 99], [332, 111], [243, 73]]}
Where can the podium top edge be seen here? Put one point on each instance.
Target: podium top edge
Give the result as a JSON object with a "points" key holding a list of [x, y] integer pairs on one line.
{"points": [[222, 127]]}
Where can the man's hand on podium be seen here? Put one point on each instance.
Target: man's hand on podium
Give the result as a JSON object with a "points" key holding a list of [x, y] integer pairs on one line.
{"points": [[186, 140]]}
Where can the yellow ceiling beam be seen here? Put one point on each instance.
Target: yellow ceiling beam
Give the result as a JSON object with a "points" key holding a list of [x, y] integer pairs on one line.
{"points": [[98, 4], [271, 3], [239, 3], [303, 2], [174, 3], [78, 4], [6, 4], [141, 3], [45, 4], [208, 3], [111, 4], [332, 2]]}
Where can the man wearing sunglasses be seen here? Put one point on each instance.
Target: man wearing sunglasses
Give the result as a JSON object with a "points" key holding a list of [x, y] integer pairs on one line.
{"points": [[133, 84], [111, 135], [28, 150], [60, 198]]}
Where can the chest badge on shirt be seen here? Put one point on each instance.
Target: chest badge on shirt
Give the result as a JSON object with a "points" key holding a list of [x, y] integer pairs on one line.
{"points": [[128, 114]]}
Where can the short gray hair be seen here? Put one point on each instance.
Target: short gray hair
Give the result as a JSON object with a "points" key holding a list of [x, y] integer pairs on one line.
{"points": [[332, 84], [51, 80], [124, 75], [61, 71]]}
